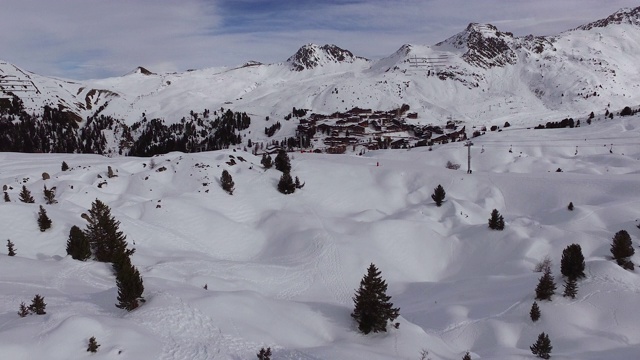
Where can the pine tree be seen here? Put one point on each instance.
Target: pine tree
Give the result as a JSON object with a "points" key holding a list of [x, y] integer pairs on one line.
{"points": [[373, 310], [570, 207], [24, 310], [227, 182], [546, 287], [286, 184], [93, 345], [570, 288], [622, 248], [438, 195], [6, 197], [496, 222], [297, 183], [50, 195], [10, 248], [542, 347], [64, 166], [572, 262], [130, 286], [38, 305], [466, 356], [77, 245], [25, 196], [282, 162], [264, 354], [266, 161], [107, 241], [535, 312], [44, 222]]}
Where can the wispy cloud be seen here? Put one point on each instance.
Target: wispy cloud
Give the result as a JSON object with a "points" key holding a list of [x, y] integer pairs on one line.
{"points": [[97, 38]]}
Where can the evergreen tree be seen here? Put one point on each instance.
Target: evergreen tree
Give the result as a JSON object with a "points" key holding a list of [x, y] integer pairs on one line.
{"points": [[227, 182], [570, 288], [38, 305], [570, 207], [282, 162], [546, 287], [44, 222], [496, 222], [103, 234], [438, 195], [266, 161], [286, 184], [572, 262], [466, 356], [297, 183], [10, 248], [535, 312], [77, 245], [264, 354], [542, 347], [24, 310], [6, 197], [64, 166], [622, 248], [93, 345], [372, 306], [50, 195], [25, 196], [130, 286]]}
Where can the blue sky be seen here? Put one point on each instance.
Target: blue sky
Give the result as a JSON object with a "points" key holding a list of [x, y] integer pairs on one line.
{"points": [[81, 39]]}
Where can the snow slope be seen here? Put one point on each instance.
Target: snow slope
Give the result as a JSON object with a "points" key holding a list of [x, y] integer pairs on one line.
{"points": [[281, 270]]}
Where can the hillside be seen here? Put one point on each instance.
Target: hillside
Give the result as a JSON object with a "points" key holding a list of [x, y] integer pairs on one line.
{"points": [[281, 270], [480, 76]]}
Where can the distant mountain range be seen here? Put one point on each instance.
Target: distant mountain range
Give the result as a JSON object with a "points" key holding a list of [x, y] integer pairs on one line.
{"points": [[480, 76]]}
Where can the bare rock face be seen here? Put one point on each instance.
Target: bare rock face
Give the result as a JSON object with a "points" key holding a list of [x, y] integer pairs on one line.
{"points": [[311, 56], [485, 46], [622, 16]]}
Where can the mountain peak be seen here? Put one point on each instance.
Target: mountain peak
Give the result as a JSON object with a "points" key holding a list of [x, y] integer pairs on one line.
{"points": [[311, 56], [630, 16], [483, 44], [141, 70]]}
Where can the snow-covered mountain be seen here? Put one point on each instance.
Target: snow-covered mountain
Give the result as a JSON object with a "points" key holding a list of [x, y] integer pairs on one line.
{"points": [[481, 76]]}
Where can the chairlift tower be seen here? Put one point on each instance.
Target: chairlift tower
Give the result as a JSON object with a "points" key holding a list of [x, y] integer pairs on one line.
{"points": [[468, 144]]}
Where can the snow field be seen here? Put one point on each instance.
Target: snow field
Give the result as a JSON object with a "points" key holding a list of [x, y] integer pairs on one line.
{"points": [[281, 270]]}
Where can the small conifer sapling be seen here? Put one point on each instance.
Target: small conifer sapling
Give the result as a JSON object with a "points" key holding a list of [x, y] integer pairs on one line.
{"points": [[6, 197], [93, 345], [542, 347], [264, 354], [24, 310], [466, 356], [622, 248], [570, 288], [266, 161], [535, 312], [226, 181], [38, 305], [44, 222], [496, 221], [572, 262], [50, 195], [10, 247], [546, 287], [438, 195], [286, 184], [25, 196], [570, 207], [373, 309]]}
